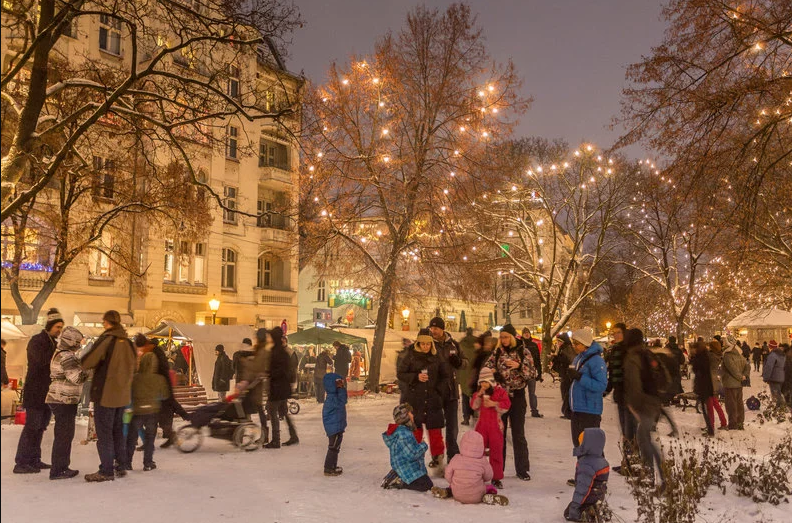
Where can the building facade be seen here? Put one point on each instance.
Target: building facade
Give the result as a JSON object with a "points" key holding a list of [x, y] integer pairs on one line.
{"points": [[248, 263]]}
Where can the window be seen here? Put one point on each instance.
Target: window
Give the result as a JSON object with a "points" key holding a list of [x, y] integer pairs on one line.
{"points": [[264, 278], [104, 178], [98, 260], [320, 292], [269, 100], [184, 262], [232, 140], [228, 274], [110, 34], [523, 313], [273, 154], [233, 82], [264, 208], [70, 29], [167, 274], [199, 263], [229, 204]]}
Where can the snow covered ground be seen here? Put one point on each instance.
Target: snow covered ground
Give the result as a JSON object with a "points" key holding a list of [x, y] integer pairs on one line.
{"points": [[219, 482]]}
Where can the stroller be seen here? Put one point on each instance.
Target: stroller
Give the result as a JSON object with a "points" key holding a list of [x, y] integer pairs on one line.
{"points": [[225, 420]]}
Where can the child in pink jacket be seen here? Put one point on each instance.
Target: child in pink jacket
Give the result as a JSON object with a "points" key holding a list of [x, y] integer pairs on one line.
{"points": [[491, 401], [468, 473]]}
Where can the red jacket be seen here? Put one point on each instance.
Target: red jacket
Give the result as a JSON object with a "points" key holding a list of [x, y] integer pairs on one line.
{"points": [[490, 417]]}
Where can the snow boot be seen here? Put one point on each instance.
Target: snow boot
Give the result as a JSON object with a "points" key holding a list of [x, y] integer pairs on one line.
{"points": [[437, 465], [495, 499], [389, 478], [571, 482], [441, 492], [149, 466], [524, 477], [64, 474], [498, 484], [98, 477], [334, 472]]}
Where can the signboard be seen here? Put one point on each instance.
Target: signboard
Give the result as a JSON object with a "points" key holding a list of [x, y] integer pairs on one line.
{"points": [[350, 297], [323, 315]]}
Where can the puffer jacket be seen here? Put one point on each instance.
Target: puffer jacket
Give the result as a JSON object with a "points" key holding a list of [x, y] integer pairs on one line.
{"points": [[149, 388], [67, 377], [112, 382], [733, 368], [585, 394], [469, 471], [490, 417], [512, 379], [426, 398], [406, 454], [40, 349], [773, 371], [334, 415], [592, 470]]}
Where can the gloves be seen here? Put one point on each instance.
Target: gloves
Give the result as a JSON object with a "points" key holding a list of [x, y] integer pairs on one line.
{"points": [[572, 512], [575, 374]]}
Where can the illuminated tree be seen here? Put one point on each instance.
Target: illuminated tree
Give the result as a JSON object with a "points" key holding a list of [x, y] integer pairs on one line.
{"points": [[389, 138]]}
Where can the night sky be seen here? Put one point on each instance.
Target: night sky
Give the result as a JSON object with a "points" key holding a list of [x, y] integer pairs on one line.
{"points": [[572, 54]]}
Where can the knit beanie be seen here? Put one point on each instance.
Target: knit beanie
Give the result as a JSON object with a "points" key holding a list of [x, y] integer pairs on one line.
{"points": [[70, 338], [438, 322], [486, 375], [401, 414], [510, 329], [53, 318]]}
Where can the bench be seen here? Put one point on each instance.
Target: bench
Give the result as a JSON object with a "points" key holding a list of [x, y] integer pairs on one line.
{"points": [[687, 400]]}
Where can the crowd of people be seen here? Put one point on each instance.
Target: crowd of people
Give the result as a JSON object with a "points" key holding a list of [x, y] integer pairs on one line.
{"points": [[494, 376]]}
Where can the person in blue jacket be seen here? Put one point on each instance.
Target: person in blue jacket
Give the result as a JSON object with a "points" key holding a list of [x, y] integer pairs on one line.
{"points": [[589, 376], [334, 418], [406, 453], [591, 476]]}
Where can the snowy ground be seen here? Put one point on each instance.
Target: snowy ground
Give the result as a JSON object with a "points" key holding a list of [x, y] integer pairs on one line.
{"points": [[219, 483]]}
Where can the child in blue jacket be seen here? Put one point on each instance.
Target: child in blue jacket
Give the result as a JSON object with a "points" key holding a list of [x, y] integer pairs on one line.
{"points": [[406, 453], [591, 476], [335, 420]]}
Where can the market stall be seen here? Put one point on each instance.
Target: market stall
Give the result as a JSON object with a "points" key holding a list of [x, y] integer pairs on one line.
{"points": [[16, 361], [317, 338], [761, 325]]}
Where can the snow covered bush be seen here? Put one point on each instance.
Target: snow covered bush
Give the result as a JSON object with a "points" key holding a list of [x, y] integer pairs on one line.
{"points": [[768, 480]]}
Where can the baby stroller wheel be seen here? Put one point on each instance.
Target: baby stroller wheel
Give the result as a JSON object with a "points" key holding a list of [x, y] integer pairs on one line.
{"points": [[246, 436], [294, 407], [189, 439]]}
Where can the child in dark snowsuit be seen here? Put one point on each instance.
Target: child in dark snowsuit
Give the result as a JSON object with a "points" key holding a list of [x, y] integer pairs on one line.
{"points": [[406, 454], [335, 420], [491, 401], [591, 475]]}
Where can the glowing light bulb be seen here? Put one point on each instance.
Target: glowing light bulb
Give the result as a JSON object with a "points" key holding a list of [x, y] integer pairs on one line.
{"points": [[345, 81], [375, 80], [385, 132], [462, 129]]}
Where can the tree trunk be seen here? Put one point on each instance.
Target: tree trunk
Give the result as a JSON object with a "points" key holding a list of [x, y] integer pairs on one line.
{"points": [[680, 331], [386, 296], [30, 312]]}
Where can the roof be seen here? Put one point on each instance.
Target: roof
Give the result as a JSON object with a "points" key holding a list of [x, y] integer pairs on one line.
{"points": [[96, 317], [764, 318], [320, 336], [204, 333], [12, 332]]}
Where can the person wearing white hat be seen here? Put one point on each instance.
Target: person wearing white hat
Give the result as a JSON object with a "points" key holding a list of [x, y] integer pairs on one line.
{"points": [[589, 380]]}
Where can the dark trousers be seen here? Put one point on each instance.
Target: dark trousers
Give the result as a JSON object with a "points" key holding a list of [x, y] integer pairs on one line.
{"points": [[467, 410], [582, 421], [320, 390], [533, 401], [333, 448], [110, 438], [626, 422], [422, 484], [273, 409], [735, 409], [566, 411], [650, 454], [167, 410], [451, 411], [29, 447], [756, 365], [148, 422], [63, 433], [516, 416]]}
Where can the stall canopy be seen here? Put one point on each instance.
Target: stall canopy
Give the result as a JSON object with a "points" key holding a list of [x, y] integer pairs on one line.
{"points": [[762, 318], [12, 332], [204, 339], [16, 348], [320, 336], [94, 319]]}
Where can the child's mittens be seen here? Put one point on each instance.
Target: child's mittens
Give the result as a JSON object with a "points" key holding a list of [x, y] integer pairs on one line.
{"points": [[572, 512], [491, 489]]}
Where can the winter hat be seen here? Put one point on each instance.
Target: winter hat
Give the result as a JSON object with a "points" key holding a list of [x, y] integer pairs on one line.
{"points": [[729, 342], [715, 346], [424, 336], [112, 317], [773, 344], [220, 348], [510, 329], [53, 318], [583, 336], [438, 322], [401, 414], [261, 335], [486, 375], [70, 338], [247, 341]]}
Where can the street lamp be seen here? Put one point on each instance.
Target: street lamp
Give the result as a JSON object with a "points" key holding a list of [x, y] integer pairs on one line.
{"points": [[406, 322], [608, 325], [214, 305]]}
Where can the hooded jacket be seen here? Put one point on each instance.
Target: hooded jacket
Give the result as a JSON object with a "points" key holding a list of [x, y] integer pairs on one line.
{"points": [[469, 471], [734, 367], [426, 398], [114, 359], [592, 470], [40, 349], [585, 394], [149, 388], [773, 371], [334, 416], [512, 379], [490, 417], [406, 454], [67, 376], [616, 362]]}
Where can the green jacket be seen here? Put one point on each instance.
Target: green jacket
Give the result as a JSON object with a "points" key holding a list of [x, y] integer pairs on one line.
{"points": [[733, 368], [468, 348], [148, 387]]}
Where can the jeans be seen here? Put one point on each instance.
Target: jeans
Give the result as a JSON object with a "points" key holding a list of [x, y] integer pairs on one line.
{"points": [[333, 448], [65, 416], [29, 447], [582, 421], [565, 409], [649, 452], [110, 438], [273, 408], [626, 422], [451, 411], [149, 423], [533, 401], [775, 392], [320, 390], [467, 410], [516, 415]]}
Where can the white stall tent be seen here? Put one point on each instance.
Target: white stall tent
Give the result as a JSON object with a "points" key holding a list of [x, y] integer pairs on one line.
{"points": [[16, 361], [761, 325], [204, 339]]}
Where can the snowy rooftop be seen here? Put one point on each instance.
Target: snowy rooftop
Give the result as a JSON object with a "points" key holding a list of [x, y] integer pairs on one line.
{"points": [[763, 318]]}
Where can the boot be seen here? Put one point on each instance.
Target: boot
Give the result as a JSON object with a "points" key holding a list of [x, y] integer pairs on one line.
{"points": [[440, 492], [26, 469], [389, 478], [535, 414], [498, 484], [293, 440], [64, 474], [98, 477], [334, 472], [495, 499], [274, 444], [436, 461]]}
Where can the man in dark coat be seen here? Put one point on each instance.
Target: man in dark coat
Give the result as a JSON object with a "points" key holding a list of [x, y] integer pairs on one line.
{"points": [[451, 355], [756, 356], [616, 379], [40, 349], [239, 357], [342, 359], [531, 346], [223, 372], [324, 364], [281, 372]]}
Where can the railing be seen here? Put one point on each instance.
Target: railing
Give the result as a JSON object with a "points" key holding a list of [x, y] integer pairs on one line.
{"points": [[282, 297], [183, 288], [28, 283], [273, 174]]}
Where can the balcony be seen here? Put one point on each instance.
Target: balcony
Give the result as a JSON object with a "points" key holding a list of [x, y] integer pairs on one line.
{"points": [[275, 296], [275, 176], [272, 235], [183, 288], [25, 282]]}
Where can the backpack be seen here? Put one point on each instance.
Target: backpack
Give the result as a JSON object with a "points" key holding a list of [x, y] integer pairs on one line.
{"points": [[752, 403], [655, 376]]}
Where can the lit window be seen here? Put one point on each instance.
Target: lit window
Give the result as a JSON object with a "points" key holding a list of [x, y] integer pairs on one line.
{"points": [[168, 272], [98, 260], [320, 292], [199, 263]]}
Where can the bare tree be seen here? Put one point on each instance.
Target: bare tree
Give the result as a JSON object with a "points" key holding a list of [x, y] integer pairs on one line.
{"points": [[390, 135], [168, 70]]}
